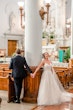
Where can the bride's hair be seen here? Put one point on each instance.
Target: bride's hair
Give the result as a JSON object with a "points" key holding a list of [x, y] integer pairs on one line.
{"points": [[44, 54]]}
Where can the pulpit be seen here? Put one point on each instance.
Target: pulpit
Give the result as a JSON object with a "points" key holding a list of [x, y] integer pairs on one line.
{"points": [[30, 87]]}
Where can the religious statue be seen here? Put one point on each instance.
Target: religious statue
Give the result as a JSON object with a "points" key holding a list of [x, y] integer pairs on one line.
{"points": [[12, 21]]}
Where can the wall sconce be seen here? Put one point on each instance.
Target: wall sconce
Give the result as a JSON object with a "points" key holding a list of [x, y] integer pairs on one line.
{"points": [[21, 4], [42, 12]]}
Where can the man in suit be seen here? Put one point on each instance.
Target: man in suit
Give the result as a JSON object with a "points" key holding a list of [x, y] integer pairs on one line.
{"points": [[19, 66]]}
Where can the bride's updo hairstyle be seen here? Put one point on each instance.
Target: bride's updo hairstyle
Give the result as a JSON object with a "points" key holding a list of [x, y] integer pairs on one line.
{"points": [[45, 54]]}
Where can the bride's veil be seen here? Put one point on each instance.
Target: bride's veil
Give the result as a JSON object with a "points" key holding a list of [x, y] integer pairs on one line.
{"points": [[58, 81], [66, 96]]}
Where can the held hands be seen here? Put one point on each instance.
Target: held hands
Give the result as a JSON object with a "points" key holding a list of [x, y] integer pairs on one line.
{"points": [[32, 75]]}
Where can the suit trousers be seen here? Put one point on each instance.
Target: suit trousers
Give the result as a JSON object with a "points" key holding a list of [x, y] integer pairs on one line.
{"points": [[18, 87]]}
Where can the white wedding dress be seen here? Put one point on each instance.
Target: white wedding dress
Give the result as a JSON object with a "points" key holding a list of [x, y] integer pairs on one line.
{"points": [[51, 91]]}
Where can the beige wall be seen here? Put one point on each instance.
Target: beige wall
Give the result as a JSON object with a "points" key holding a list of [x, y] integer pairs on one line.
{"points": [[10, 23]]}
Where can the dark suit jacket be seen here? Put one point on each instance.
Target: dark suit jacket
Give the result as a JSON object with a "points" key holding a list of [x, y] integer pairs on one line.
{"points": [[17, 65]]}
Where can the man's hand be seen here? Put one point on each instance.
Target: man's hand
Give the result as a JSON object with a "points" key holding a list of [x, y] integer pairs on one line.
{"points": [[12, 78]]}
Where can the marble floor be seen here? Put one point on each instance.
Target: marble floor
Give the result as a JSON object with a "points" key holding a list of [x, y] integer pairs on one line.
{"points": [[13, 106], [64, 106], [27, 106]]}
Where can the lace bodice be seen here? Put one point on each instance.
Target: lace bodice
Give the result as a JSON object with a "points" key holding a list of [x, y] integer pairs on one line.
{"points": [[47, 67]]}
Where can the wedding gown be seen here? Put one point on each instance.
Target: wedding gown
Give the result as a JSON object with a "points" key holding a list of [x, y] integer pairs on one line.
{"points": [[51, 91]]}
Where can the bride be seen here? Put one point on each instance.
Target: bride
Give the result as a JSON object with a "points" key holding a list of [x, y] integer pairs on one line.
{"points": [[51, 91]]}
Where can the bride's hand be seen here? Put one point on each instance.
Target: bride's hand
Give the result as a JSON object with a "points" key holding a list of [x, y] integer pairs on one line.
{"points": [[32, 75]]}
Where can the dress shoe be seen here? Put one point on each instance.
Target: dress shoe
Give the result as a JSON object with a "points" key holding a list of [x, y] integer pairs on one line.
{"points": [[17, 101], [14, 99]]}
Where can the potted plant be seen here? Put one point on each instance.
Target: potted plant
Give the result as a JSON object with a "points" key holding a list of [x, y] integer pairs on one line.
{"points": [[44, 34], [67, 55], [52, 36], [44, 38]]}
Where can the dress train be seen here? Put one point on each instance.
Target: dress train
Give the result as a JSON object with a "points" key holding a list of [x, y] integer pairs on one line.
{"points": [[51, 91]]}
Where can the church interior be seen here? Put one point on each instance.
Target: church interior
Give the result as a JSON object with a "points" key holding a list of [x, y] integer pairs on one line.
{"points": [[35, 27]]}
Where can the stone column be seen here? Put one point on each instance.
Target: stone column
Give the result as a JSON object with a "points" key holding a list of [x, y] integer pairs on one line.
{"points": [[60, 20], [63, 17], [61, 8], [72, 29], [33, 32], [63, 21], [57, 20]]}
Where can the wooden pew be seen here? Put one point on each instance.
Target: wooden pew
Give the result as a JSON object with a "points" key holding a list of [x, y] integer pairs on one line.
{"points": [[65, 75], [3, 83], [4, 71]]}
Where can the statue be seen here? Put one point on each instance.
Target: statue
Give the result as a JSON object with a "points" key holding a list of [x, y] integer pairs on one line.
{"points": [[12, 21]]}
